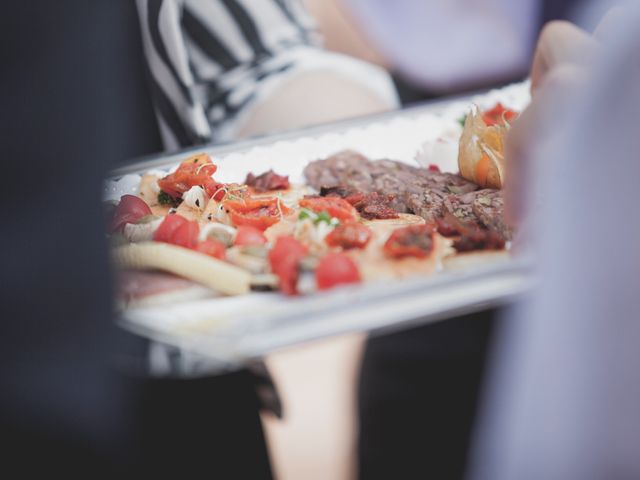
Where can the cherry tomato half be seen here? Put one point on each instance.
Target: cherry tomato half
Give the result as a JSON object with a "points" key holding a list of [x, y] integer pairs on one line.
{"points": [[167, 228], [212, 248], [284, 259], [257, 213], [194, 171], [334, 206], [498, 115], [129, 210], [336, 269], [186, 235], [412, 241], [349, 235], [247, 235]]}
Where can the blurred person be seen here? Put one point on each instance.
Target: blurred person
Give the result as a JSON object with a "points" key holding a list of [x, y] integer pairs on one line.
{"points": [[78, 398], [227, 69], [562, 400], [436, 48], [418, 390], [223, 70]]}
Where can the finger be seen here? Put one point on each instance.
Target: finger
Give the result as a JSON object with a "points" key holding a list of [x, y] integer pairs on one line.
{"points": [[559, 43], [532, 127]]}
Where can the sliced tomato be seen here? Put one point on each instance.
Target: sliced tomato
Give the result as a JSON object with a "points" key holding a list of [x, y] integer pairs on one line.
{"points": [[218, 191], [349, 235], [284, 258], [498, 115], [212, 248], [257, 213], [194, 171], [336, 269], [334, 206], [129, 210], [412, 241], [247, 235], [186, 235], [167, 228], [214, 189]]}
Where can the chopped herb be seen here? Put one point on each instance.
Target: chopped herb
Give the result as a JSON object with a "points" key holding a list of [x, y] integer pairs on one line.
{"points": [[165, 199], [462, 120], [323, 217], [305, 213], [316, 218]]}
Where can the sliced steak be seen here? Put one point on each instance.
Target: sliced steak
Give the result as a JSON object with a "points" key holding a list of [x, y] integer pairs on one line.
{"points": [[461, 206], [488, 207], [428, 203], [424, 192], [433, 193], [345, 168]]}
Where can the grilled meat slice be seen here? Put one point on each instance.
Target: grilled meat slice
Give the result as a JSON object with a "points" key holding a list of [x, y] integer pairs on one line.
{"points": [[488, 207], [424, 192]]}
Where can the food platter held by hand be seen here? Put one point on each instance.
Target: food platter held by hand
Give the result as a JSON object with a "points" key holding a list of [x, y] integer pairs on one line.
{"points": [[222, 249]]}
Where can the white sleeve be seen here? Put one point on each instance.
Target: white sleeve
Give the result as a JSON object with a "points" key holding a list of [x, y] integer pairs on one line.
{"points": [[449, 44]]}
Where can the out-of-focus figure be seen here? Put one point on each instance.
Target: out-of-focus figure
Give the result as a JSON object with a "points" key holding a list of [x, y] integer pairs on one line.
{"points": [[226, 69], [436, 47], [563, 401], [77, 397]]}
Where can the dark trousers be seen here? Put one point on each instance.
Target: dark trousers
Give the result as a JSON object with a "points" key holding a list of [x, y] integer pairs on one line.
{"points": [[201, 428], [418, 395]]}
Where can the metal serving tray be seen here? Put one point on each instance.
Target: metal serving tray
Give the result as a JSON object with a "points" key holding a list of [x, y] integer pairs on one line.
{"points": [[231, 330]]}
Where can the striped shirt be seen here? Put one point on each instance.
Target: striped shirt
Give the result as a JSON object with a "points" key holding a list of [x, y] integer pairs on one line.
{"points": [[210, 61]]}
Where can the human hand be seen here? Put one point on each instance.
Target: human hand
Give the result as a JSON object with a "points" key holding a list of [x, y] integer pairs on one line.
{"points": [[560, 64]]}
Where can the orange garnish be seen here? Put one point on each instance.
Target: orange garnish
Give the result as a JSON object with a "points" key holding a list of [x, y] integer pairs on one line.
{"points": [[482, 169]]}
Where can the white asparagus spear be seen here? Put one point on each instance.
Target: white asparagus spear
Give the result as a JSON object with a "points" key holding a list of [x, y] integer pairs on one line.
{"points": [[200, 268]]}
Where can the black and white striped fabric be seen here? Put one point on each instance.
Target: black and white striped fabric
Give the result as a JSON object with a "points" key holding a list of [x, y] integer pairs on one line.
{"points": [[211, 60]]}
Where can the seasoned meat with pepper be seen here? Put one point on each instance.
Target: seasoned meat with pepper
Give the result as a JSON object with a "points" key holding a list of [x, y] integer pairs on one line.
{"points": [[427, 203], [344, 168], [413, 189], [461, 206], [428, 193], [267, 181], [488, 207]]}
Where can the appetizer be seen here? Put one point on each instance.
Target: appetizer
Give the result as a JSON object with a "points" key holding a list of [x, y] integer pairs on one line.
{"points": [[355, 220]]}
